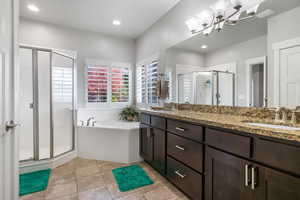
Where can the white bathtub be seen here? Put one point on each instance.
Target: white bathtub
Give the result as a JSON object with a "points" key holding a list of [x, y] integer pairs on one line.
{"points": [[113, 140]]}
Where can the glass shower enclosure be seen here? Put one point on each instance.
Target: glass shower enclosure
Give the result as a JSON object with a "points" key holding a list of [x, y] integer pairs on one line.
{"points": [[207, 88], [47, 103]]}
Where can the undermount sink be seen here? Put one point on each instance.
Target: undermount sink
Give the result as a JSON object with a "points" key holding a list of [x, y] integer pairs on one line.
{"points": [[156, 108], [288, 128]]}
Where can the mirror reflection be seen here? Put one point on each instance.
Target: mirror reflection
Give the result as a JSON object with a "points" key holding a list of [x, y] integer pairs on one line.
{"points": [[251, 63]]}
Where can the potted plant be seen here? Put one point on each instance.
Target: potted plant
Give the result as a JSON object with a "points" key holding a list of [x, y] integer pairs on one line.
{"points": [[129, 114]]}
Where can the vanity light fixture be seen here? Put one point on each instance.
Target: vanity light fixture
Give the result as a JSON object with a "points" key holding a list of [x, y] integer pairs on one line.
{"points": [[223, 12], [204, 46], [33, 8], [117, 22]]}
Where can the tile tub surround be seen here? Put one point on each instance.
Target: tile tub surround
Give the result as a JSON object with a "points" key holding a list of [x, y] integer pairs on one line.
{"points": [[233, 118], [83, 179]]}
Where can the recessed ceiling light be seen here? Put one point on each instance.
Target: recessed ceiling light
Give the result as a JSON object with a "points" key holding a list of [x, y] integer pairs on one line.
{"points": [[33, 8], [204, 46], [116, 23]]}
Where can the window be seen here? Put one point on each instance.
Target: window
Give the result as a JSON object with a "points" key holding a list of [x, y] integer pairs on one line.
{"points": [[119, 84], [147, 76], [62, 84], [108, 83], [97, 83]]}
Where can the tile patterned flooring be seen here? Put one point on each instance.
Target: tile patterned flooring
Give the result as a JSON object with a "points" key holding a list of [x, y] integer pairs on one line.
{"points": [[83, 179]]}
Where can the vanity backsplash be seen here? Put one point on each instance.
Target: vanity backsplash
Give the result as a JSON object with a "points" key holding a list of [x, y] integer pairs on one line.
{"points": [[252, 112]]}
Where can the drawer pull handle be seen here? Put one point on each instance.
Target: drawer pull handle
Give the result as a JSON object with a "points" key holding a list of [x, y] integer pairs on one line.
{"points": [[179, 174], [180, 147], [180, 129], [247, 181], [253, 175]]}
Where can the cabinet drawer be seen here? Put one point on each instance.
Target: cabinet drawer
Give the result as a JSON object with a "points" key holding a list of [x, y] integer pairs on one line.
{"points": [[185, 129], [186, 179], [144, 118], [230, 142], [279, 155], [186, 151], [158, 122]]}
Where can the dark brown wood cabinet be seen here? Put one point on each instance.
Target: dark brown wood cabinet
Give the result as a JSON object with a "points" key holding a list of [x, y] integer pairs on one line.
{"points": [[146, 142], [278, 154], [230, 177], [227, 177], [153, 142], [187, 151], [230, 142], [275, 185], [213, 163], [185, 178], [185, 129], [159, 150]]}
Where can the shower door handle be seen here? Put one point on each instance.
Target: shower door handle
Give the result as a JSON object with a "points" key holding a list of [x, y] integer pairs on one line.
{"points": [[31, 105], [10, 125]]}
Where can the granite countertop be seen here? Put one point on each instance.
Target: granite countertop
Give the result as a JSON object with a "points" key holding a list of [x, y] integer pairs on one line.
{"points": [[234, 122]]}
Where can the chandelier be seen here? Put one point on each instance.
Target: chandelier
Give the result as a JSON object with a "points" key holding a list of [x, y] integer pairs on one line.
{"points": [[223, 12]]}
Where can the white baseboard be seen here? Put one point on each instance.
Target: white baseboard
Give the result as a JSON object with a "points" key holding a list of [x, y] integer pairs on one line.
{"points": [[46, 164]]}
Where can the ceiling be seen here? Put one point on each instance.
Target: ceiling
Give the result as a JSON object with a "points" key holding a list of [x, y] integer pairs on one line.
{"points": [[236, 34], [136, 16]]}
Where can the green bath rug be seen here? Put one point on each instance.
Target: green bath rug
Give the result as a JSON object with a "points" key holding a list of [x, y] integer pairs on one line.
{"points": [[34, 181], [131, 177]]}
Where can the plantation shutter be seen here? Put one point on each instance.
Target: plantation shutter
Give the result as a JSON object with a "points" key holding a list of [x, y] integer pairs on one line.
{"points": [[97, 83], [62, 81], [119, 84]]}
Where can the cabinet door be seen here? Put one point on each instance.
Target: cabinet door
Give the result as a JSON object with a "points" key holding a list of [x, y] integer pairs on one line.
{"points": [[227, 177], [146, 142], [277, 186], [159, 150]]}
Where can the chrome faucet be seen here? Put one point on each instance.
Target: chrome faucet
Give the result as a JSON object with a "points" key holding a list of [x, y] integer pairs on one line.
{"points": [[295, 112], [277, 114], [89, 121], [281, 111]]}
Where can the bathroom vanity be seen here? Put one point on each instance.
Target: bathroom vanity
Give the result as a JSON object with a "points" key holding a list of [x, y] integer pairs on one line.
{"points": [[219, 157]]}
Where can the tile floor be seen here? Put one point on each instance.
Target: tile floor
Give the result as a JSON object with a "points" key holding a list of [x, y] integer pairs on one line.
{"points": [[83, 179]]}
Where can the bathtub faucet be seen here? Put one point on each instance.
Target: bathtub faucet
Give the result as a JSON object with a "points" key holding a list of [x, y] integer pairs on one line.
{"points": [[89, 121]]}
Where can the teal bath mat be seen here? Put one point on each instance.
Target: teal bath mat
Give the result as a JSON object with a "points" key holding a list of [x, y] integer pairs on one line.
{"points": [[34, 182], [131, 177]]}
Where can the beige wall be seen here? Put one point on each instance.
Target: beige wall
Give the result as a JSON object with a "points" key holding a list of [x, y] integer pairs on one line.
{"points": [[87, 44], [282, 27], [170, 29], [239, 53]]}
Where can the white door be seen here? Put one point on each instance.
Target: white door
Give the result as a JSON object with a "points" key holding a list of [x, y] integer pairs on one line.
{"points": [[8, 138], [290, 77]]}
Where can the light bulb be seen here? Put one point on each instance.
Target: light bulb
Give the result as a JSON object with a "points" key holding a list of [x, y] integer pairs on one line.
{"points": [[219, 26], [246, 4], [220, 7], [205, 18], [193, 24], [208, 31], [252, 10], [33, 8], [235, 17]]}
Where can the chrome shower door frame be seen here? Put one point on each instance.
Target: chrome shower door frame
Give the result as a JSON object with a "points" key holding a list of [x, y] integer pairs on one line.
{"points": [[218, 87], [36, 150]]}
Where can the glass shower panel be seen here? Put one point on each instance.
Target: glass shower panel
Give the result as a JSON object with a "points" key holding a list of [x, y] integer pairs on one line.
{"points": [[44, 103], [185, 88], [226, 89], [203, 88], [62, 97], [26, 104], [215, 88]]}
